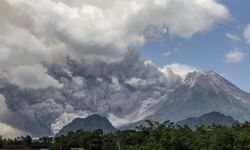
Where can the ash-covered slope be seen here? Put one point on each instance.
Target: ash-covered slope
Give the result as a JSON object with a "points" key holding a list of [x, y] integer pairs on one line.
{"points": [[204, 92], [89, 123], [211, 118]]}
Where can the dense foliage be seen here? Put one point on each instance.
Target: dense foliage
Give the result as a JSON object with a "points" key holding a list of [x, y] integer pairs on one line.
{"points": [[161, 137], [155, 136], [26, 142]]}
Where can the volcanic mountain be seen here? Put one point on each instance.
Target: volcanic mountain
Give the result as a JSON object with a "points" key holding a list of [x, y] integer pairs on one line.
{"points": [[204, 92]]}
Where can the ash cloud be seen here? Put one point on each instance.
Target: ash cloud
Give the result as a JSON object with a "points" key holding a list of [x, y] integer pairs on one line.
{"points": [[66, 58], [50, 31], [115, 88], [6, 118]]}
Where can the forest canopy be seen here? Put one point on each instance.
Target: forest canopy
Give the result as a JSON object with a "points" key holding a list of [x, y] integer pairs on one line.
{"points": [[156, 136]]}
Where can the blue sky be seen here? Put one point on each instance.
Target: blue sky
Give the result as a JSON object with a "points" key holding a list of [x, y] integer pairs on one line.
{"points": [[207, 50]]}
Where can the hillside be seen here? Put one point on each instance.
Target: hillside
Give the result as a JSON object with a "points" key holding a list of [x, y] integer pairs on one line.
{"points": [[216, 118], [89, 123]]}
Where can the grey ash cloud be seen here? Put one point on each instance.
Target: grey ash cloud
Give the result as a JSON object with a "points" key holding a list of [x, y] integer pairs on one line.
{"points": [[66, 58]]}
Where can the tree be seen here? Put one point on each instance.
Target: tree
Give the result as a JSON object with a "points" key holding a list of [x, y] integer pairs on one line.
{"points": [[1, 142], [27, 140]]}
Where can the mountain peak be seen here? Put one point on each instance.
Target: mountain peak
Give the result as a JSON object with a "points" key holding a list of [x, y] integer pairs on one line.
{"points": [[205, 79], [198, 74], [211, 72], [204, 92]]}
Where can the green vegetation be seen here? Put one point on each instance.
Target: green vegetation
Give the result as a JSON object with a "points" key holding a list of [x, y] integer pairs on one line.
{"points": [[156, 136], [161, 137], [26, 142], [88, 124]]}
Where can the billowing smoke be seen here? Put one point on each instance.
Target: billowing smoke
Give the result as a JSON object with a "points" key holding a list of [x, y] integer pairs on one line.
{"points": [[123, 90], [10, 132], [62, 59], [8, 116]]}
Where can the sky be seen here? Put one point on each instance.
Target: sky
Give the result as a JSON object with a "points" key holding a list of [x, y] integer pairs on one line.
{"points": [[224, 48]]}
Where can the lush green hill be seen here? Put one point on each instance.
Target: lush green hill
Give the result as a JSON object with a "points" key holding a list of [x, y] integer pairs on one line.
{"points": [[209, 119], [88, 124]]}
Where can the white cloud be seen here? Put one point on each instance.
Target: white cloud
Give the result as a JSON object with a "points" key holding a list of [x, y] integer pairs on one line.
{"points": [[32, 76], [136, 82], [115, 84], [247, 33], [101, 29], [168, 53], [232, 37], [179, 69], [65, 118], [234, 56], [97, 3], [47, 31], [224, 75], [19, 46], [8, 131]]}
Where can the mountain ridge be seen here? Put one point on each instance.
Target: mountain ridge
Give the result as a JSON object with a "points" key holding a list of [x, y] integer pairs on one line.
{"points": [[210, 118]]}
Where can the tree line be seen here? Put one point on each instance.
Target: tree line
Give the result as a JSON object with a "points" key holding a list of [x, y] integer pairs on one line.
{"points": [[25, 142], [155, 136], [161, 136]]}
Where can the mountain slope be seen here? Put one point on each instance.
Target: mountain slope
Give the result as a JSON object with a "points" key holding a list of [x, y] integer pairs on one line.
{"points": [[203, 92], [89, 123], [209, 119]]}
